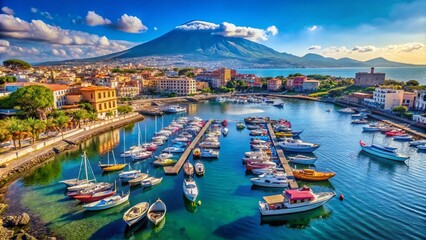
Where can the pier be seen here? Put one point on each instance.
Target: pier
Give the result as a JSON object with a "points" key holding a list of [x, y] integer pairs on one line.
{"points": [[174, 170], [287, 169]]}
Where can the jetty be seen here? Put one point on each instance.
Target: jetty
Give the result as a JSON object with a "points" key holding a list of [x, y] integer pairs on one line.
{"points": [[174, 170], [287, 169]]}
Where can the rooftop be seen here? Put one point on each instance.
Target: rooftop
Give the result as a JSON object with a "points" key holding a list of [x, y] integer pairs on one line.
{"points": [[94, 88]]}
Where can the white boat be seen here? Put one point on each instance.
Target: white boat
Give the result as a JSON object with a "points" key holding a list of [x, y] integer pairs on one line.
{"points": [[181, 139], [225, 131], [174, 150], [128, 175], [371, 128], [199, 168], [404, 137], [136, 181], [302, 159], [158, 142], [141, 155], [84, 165], [206, 144], [73, 182], [273, 180], [151, 182], [293, 201], [261, 171], [136, 213], [175, 109], [256, 154], [164, 156], [209, 153], [160, 137], [360, 121], [157, 211], [418, 142], [346, 110], [190, 189], [106, 203], [295, 145]]}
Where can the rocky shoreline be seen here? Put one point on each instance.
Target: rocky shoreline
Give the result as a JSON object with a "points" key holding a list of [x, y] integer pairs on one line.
{"points": [[17, 224]]}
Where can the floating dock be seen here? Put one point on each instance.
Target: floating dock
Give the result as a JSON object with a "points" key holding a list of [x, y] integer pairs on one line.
{"points": [[291, 180], [174, 170]]}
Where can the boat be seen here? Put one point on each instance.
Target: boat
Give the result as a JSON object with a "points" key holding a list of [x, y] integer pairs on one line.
{"points": [[260, 171], [164, 162], [199, 168], [190, 189], [196, 152], [181, 139], [206, 144], [83, 181], [136, 213], [209, 153], [157, 211], [174, 109], [164, 156], [240, 125], [129, 175], [312, 175], [404, 137], [137, 180], [346, 110], [269, 100], [111, 167], [188, 169], [220, 99], [302, 159], [256, 120], [371, 128], [73, 182], [94, 196], [421, 147], [418, 142], [225, 123], [278, 105], [151, 182], [106, 203], [283, 134], [174, 150], [256, 165], [142, 155], [272, 180], [293, 201], [225, 131], [395, 132], [328, 110], [294, 145], [383, 152], [359, 121], [150, 146], [296, 133]]}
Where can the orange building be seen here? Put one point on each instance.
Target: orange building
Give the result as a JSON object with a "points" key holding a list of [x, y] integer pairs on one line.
{"points": [[103, 99]]}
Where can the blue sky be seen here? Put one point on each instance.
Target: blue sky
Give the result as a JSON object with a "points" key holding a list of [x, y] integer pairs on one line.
{"points": [[362, 29]]}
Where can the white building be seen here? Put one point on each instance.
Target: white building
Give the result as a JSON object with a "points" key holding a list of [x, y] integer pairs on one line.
{"points": [[420, 101], [419, 119], [387, 99], [180, 86]]}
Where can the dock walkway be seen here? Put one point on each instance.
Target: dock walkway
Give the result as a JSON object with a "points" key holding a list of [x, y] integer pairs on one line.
{"points": [[291, 180], [174, 170]]}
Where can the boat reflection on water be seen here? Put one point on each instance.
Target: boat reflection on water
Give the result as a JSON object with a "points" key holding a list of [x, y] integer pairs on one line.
{"points": [[318, 186], [296, 221], [383, 164], [132, 230], [191, 207]]}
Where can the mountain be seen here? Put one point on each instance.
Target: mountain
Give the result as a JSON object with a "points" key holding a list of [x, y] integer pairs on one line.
{"points": [[198, 42]]}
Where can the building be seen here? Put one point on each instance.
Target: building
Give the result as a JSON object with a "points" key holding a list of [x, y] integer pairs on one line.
{"points": [[310, 85], [408, 99], [387, 99], [357, 97], [420, 101], [103, 99], [274, 84], [149, 85], [180, 86], [216, 78], [201, 85], [296, 83], [419, 118], [128, 89], [366, 79]]}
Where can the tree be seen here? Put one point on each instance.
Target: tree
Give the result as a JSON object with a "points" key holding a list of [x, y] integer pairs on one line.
{"points": [[17, 129], [87, 106], [93, 116], [35, 127], [412, 83], [7, 79], [124, 109], [400, 110], [62, 122], [16, 64], [33, 100], [109, 114], [206, 90], [79, 115], [173, 94]]}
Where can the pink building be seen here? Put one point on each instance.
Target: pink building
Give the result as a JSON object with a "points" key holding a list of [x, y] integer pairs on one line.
{"points": [[274, 84], [296, 83]]}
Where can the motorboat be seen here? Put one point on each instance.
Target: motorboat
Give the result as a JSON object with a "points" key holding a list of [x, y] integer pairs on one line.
{"points": [[225, 131], [136, 213], [396, 132], [190, 189], [196, 152], [159, 137], [151, 182], [293, 201], [164, 162], [225, 123], [421, 147], [156, 212], [278, 105], [383, 152], [128, 175], [150, 146], [256, 120], [164, 156], [273, 180], [295, 145], [188, 169], [258, 132], [174, 150], [90, 190], [253, 127], [174, 109], [256, 154], [404, 137], [93, 197], [256, 159], [137, 180], [283, 134], [418, 142], [142, 155], [312, 175], [107, 203], [209, 153], [199, 168], [360, 121], [206, 144], [240, 125], [346, 110], [371, 128], [256, 165], [302, 159], [260, 171]]}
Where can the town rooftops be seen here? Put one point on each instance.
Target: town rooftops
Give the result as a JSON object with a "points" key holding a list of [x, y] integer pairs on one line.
{"points": [[53, 87], [95, 88]]}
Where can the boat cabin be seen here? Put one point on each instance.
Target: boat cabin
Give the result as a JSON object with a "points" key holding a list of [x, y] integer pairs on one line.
{"points": [[294, 196]]}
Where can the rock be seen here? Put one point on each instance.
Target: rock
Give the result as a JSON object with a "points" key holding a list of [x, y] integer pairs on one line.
{"points": [[24, 219], [5, 233], [24, 236], [10, 221], [13, 221], [3, 207]]}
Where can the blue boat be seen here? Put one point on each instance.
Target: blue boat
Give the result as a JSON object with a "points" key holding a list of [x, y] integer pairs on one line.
{"points": [[383, 152], [296, 133]]}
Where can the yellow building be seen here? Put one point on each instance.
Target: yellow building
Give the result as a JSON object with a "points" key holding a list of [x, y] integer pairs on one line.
{"points": [[103, 99]]}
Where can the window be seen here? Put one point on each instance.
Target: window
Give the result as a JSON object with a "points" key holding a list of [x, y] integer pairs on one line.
{"points": [[99, 95], [100, 106], [109, 104], [109, 94], [91, 96], [105, 105], [104, 94]]}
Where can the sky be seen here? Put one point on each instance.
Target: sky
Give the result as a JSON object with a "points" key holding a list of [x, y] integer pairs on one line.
{"points": [[45, 30]]}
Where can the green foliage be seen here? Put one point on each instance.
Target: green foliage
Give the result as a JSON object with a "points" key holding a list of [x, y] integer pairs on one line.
{"points": [[394, 82], [16, 64], [206, 90], [335, 92], [412, 83], [35, 127], [33, 100], [318, 94], [294, 75], [318, 76], [7, 79], [400, 110], [124, 109], [412, 88], [224, 89], [80, 115], [173, 94], [87, 106], [189, 72], [408, 115]]}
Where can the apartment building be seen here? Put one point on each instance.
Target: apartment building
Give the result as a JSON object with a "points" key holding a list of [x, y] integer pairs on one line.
{"points": [[180, 86]]}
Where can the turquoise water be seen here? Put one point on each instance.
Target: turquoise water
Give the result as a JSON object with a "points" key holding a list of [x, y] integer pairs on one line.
{"points": [[400, 74], [383, 199]]}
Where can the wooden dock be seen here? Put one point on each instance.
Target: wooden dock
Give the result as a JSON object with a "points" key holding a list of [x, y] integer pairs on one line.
{"points": [[288, 170], [174, 170]]}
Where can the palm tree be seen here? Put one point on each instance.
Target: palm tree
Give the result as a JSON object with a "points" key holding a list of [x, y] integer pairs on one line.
{"points": [[36, 127], [62, 122], [80, 115], [17, 129], [4, 134], [109, 114], [93, 116]]}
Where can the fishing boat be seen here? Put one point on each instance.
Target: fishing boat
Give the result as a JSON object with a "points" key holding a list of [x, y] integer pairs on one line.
{"points": [[295, 145], [199, 168], [209, 153], [136, 213], [188, 169], [196, 152], [81, 181], [174, 150], [256, 165], [225, 123], [278, 105], [346, 110], [137, 180], [272, 180], [157, 211], [151, 182], [404, 137], [174, 109], [111, 167], [418, 142], [383, 152], [190, 189], [302, 159], [129, 175], [360, 121], [293, 201], [164, 162], [225, 131], [312, 175], [106, 203], [240, 125]]}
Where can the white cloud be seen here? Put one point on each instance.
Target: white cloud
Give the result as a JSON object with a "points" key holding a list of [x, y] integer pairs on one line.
{"points": [[363, 49], [94, 19], [408, 47], [59, 52], [155, 28], [198, 25], [130, 24], [7, 10], [314, 47], [46, 15], [333, 50], [273, 30], [104, 41], [34, 10], [313, 28]]}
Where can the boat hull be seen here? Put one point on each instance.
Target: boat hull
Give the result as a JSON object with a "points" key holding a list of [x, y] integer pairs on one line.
{"points": [[268, 212], [378, 154], [113, 168], [268, 185], [299, 149]]}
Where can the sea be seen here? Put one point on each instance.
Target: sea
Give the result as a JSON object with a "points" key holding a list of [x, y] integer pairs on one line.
{"points": [[382, 199], [395, 73]]}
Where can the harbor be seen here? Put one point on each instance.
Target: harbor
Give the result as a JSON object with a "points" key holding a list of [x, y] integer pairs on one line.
{"points": [[228, 201]]}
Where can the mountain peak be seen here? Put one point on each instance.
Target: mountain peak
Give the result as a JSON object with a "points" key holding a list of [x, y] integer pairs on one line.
{"points": [[198, 25]]}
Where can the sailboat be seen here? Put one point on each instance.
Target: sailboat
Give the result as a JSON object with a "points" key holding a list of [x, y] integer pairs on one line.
{"points": [[131, 174], [76, 181], [134, 149], [110, 167]]}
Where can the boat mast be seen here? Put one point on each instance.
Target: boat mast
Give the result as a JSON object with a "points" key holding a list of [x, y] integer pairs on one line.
{"points": [[85, 166], [139, 135], [162, 121], [156, 124], [145, 132]]}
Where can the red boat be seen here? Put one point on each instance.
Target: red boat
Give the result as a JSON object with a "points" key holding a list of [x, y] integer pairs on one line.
{"points": [[93, 197], [150, 146], [256, 165], [225, 123], [284, 122], [395, 133]]}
